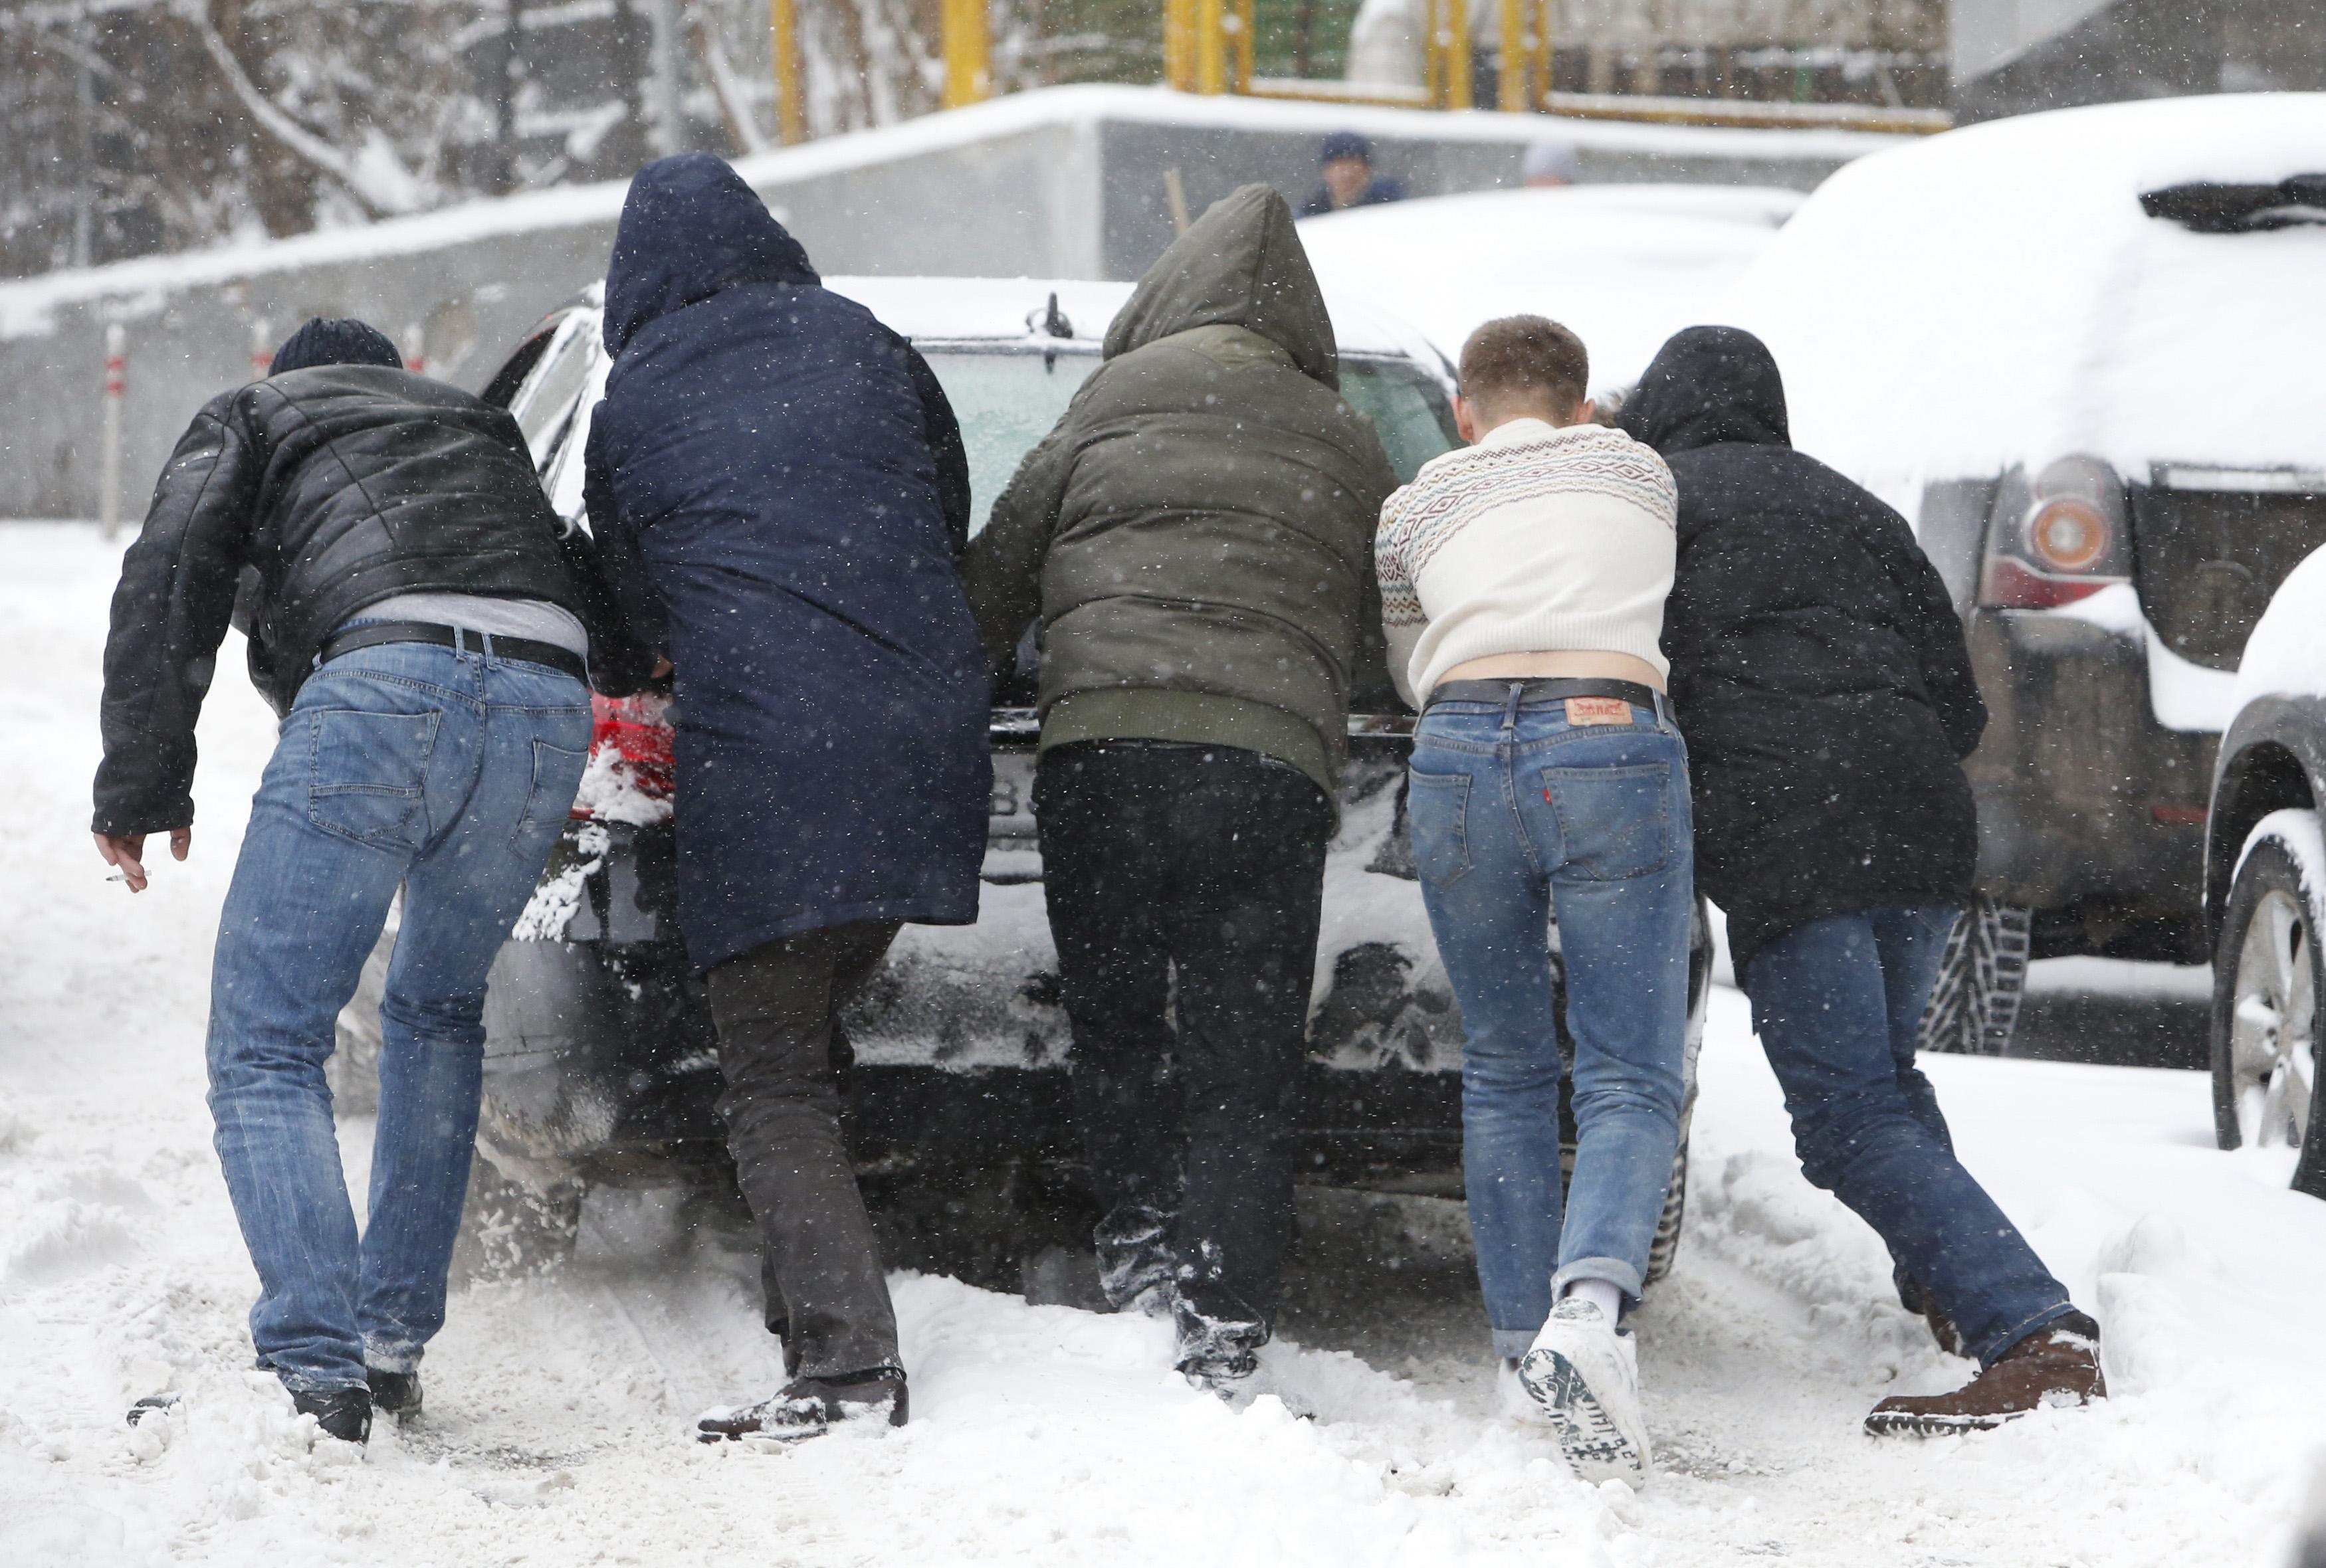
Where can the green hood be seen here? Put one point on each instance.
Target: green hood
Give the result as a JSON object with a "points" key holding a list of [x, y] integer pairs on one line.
{"points": [[1241, 264]]}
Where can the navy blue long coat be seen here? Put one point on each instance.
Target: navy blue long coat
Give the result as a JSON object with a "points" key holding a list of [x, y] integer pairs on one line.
{"points": [[778, 490]]}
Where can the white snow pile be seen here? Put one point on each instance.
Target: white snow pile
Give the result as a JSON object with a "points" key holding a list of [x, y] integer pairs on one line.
{"points": [[2283, 656], [558, 1405], [1996, 295], [1626, 266]]}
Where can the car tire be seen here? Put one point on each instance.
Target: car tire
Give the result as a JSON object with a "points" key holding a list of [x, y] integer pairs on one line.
{"points": [[510, 1231], [2268, 975], [1974, 1005]]}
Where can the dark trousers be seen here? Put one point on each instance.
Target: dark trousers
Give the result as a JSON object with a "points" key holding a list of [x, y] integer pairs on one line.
{"points": [[781, 1049], [1837, 1003], [1206, 864]]}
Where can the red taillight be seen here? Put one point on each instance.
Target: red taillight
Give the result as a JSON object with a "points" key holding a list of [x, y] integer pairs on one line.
{"points": [[630, 757], [2057, 539]]}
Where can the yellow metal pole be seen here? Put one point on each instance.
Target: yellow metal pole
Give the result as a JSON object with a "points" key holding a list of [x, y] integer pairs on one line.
{"points": [[1458, 53], [1211, 47], [968, 71], [1246, 32], [1510, 82], [1539, 56], [1179, 44], [1433, 52], [791, 113]]}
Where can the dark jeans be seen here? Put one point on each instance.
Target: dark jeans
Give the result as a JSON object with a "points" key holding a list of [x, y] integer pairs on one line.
{"points": [[780, 1046], [1837, 1003], [1206, 863]]}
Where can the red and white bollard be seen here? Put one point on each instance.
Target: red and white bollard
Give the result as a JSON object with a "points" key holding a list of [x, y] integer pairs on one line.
{"points": [[262, 346], [117, 384], [416, 348]]}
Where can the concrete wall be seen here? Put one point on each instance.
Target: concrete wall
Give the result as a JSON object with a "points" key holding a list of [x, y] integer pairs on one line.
{"points": [[1064, 184]]}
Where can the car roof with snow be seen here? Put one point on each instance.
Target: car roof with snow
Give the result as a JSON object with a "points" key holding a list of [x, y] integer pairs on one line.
{"points": [[1999, 294], [1623, 265], [1017, 309]]}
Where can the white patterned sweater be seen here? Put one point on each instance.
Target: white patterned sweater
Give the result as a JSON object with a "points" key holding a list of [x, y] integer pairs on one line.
{"points": [[1539, 539]]}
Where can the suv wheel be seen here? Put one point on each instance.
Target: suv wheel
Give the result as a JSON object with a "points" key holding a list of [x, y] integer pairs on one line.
{"points": [[2267, 977], [1974, 1005]]}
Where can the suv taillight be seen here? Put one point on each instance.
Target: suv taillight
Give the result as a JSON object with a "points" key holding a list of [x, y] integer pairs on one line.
{"points": [[631, 768], [2055, 539]]}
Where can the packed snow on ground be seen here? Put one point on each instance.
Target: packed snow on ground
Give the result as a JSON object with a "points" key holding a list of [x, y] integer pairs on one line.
{"points": [[559, 1405], [1626, 266], [1996, 295]]}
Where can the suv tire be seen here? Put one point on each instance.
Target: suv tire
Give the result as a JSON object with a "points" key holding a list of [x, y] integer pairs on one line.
{"points": [[1973, 1005], [2268, 975]]}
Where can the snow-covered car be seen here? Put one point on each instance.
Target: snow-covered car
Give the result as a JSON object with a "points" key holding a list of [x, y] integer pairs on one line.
{"points": [[2265, 889], [1626, 266], [2080, 352], [601, 1060]]}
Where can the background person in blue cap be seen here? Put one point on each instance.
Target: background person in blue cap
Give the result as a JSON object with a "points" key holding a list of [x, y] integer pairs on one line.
{"points": [[1349, 178], [417, 616], [779, 488]]}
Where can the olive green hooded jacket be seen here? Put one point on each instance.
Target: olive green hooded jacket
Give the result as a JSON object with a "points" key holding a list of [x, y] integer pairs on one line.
{"points": [[1196, 534]]}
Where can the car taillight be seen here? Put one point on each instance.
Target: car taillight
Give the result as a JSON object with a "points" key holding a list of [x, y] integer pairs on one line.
{"points": [[631, 768], [2056, 540]]}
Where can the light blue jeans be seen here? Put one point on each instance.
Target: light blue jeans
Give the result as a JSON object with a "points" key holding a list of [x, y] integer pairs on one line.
{"points": [[1517, 813], [448, 773]]}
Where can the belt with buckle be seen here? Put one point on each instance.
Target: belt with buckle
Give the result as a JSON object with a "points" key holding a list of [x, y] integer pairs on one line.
{"points": [[524, 650], [1546, 688]]}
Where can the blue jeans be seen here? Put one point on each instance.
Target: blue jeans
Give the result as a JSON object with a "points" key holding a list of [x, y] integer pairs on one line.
{"points": [[1837, 1003], [448, 773], [1517, 813]]}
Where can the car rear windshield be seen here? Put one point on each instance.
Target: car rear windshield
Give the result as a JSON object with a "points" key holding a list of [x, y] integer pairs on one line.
{"points": [[1007, 400], [2208, 562]]}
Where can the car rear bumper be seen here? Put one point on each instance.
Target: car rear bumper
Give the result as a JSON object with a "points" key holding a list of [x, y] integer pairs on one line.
{"points": [[2090, 811]]}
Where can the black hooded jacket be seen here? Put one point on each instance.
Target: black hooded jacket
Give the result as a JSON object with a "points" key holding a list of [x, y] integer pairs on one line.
{"points": [[778, 490], [318, 491], [1817, 668]]}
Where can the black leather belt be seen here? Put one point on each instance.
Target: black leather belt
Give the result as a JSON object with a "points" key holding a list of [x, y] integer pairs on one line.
{"points": [[525, 650], [1545, 689]]}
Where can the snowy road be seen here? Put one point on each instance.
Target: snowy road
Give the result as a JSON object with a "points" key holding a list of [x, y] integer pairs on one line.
{"points": [[556, 1432]]}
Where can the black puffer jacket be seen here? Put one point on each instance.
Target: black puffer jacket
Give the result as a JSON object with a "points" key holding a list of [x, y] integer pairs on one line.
{"points": [[1817, 668], [327, 489]]}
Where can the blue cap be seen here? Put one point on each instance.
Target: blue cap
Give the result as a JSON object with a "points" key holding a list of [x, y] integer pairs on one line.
{"points": [[1345, 145], [335, 340]]}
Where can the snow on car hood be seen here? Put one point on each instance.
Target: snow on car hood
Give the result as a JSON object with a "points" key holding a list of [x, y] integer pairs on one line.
{"points": [[1996, 295], [1623, 265]]}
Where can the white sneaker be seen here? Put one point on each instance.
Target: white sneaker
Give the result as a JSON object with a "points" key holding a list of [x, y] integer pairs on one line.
{"points": [[1511, 1400], [1586, 1376]]}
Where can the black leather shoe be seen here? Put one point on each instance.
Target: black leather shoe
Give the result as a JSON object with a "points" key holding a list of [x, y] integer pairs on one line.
{"points": [[395, 1394], [342, 1413]]}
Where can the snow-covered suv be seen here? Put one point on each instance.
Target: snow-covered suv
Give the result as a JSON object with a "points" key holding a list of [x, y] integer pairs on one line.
{"points": [[2265, 890], [600, 1064], [2080, 351]]}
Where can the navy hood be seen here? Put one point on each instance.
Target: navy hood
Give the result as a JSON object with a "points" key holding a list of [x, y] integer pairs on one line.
{"points": [[1708, 385], [335, 340], [690, 228]]}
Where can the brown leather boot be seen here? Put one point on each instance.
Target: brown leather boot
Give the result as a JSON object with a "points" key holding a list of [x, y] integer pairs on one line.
{"points": [[2057, 1366]]}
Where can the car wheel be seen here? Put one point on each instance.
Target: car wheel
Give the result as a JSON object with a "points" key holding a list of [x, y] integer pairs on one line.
{"points": [[508, 1231], [1973, 1005], [2267, 977]]}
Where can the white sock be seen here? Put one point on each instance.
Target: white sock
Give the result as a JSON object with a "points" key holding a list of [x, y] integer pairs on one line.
{"points": [[1606, 1297]]}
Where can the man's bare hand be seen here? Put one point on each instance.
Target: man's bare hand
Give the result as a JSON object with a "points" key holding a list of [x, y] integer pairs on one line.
{"points": [[126, 852]]}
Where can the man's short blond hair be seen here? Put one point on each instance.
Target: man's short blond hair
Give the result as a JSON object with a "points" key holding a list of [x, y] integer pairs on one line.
{"points": [[1525, 361]]}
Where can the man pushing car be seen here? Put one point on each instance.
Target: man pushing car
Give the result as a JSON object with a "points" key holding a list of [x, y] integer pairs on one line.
{"points": [[779, 489], [417, 614]]}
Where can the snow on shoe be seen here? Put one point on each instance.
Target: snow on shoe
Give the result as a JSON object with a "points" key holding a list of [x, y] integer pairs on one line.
{"points": [[2055, 1368], [1585, 1376], [810, 1407], [1513, 1400], [1217, 1353], [341, 1413], [395, 1394]]}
